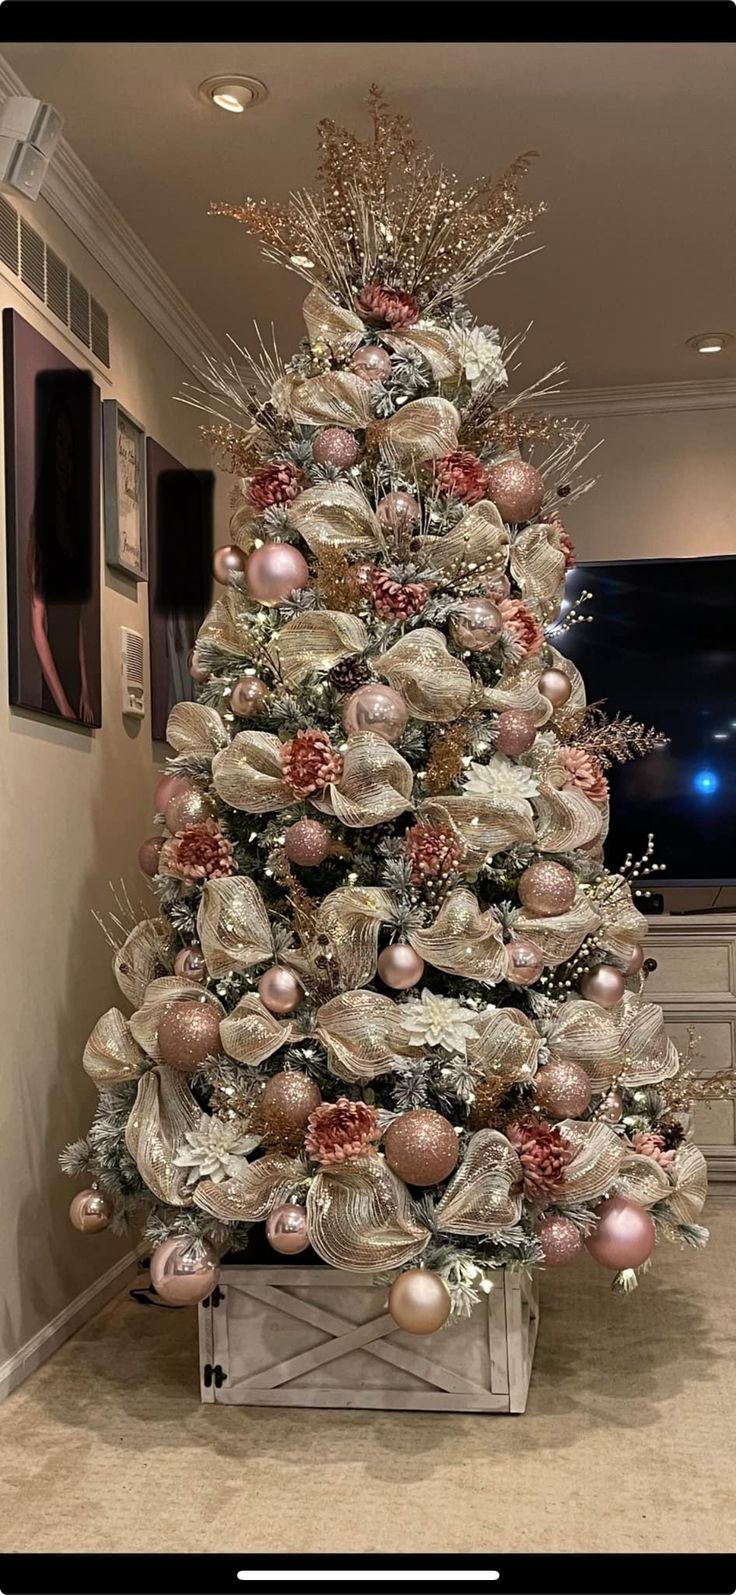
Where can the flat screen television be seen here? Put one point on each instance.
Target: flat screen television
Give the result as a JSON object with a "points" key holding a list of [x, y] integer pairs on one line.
{"points": [[662, 647]]}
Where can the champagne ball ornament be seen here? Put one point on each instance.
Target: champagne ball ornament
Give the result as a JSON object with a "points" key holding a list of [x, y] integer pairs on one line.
{"points": [[190, 964], [307, 842], [335, 446], [287, 1102], [546, 888], [516, 489], [183, 1273], [188, 1034], [603, 984], [148, 853], [635, 961], [421, 1147], [515, 732], [279, 990], [186, 808], [90, 1211], [227, 562], [166, 788], [524, 962], [247, 696], [476, 625], [274, 571], [624, 1234], [378, 709], [560, 1239], [419, 1301], [398, 511], [400, 967], [562, 1090], [555, 686], [371, 363], [286, 1229]]}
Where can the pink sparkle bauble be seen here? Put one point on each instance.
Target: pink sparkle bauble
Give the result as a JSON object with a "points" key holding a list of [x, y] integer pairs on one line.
{"points": [[274, 571], [247, 696], [400, 967], [286, 1229], [378, 709], [166, 788], [516, 489], [562, 1089], [421, 1147], [287, 1102], [560, 1239], [190, 807], [190, 964], [515, 732], [335, 446], [227, 562], [148, 853], [603, 984], [555, 686], [371, 362], [188, 1034], [90, 1211], [279, 990], [398, 511], [524, 962], [476, 625], [624, 1234], [307, 842], [635, 961], [419, 1301], [197, 672], [546, 888], [183, 1273]]}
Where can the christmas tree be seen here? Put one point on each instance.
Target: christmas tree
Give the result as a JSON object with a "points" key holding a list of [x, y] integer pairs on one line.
{"points": [[390, 1004]]}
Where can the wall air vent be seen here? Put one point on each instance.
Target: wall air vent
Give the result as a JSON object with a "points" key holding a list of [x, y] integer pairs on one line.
{"points": [[32, 260], [9, 251], [57, 286], [24, 254]]}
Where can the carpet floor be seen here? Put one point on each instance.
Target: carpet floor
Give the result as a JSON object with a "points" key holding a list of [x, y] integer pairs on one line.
{"points": [[626, 1444]]}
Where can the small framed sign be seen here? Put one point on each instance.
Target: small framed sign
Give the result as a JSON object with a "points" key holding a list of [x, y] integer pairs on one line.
{"points": [[124, 476]]}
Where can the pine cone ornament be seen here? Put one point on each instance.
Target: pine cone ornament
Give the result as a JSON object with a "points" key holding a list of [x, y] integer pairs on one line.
{"points": [[461, 475], [275, 484], [349, 674], [197, 853], [395, 600], [310, 762], [432, 852], [584, 772], [543, 1154], [649, 1144], [522, 626], [671, 1132], [387, 307], [340, 1130]]}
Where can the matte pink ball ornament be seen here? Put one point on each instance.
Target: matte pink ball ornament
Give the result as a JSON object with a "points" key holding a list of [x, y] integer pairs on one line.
{"points": [[247, 697], [227, 562], [190, 963], [148, 854], [190, 807], [307, 842], [166, 788], [524, 962], [400, 967], [516, 489], [279, 990], [555, 686], [378, 709], [419, 1301], [182, 1273], [335, 446], [635, 962], [371, 363], [515, 732], [274, 571], [603, 984], [624, 1234], [546, 888], [562, 1090], [560, 1239], [398, 511], [90, 1211], [286, 1229], [476, 625]]}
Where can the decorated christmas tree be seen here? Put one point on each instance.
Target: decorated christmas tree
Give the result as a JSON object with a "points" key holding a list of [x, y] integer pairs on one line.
{"points": [[390, 1003]]}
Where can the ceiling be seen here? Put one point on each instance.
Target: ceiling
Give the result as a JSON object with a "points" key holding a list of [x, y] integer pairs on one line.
{"points": [[637, 151]]}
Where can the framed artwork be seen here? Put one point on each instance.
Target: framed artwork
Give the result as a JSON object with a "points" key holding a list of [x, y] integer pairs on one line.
{"points": [[52, 491], [180, 524], [124, 476]]}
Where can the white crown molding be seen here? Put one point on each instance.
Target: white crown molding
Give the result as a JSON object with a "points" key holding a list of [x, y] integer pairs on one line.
{"points": [[77, 198], [655, 399]]}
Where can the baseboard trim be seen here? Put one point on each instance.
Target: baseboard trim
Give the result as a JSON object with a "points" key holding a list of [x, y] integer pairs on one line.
{"points": [[47, 1340]]}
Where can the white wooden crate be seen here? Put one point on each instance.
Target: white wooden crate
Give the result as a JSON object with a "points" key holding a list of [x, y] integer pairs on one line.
{"points": [[315, 1337]]}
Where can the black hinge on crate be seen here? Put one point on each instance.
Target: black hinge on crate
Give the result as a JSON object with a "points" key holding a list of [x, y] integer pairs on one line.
{"points": [[215, 1299], [213, 1376]]}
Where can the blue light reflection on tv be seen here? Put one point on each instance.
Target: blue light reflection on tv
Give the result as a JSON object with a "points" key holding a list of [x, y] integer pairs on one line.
{"points": [[705, 782]]}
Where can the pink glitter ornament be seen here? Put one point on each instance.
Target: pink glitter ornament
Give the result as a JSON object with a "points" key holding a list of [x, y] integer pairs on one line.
{"points": [[335, 446]]}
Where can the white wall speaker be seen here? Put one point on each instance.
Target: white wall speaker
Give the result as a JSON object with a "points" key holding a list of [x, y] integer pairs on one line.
{"points": [[131, 670]]}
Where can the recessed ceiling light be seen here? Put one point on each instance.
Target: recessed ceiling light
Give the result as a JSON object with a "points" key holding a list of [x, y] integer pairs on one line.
{"points": [[231, 92], [710, 342]]}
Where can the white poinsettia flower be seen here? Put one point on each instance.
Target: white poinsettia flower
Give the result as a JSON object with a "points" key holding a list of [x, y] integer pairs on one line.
{"points": [[501, 778], [216, 1150], [434, 1021], [480, 353]]}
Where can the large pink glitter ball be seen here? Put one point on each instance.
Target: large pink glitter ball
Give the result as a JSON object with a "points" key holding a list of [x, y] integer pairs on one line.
{"points": [[562, 1090], [516, 489], [307, 842], [515, 733], [560, 1239], [334, 445], [624, 1234], [274, 571]]}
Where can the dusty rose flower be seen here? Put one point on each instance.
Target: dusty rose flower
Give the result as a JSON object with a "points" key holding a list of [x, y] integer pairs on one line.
{"points": [[522, 626], [543, 1154], [461, 475], [340, 1130], [585, 772], [197, 853], [648, 1144], [432, 852], [394, 600], [275, 484], [389, 307], [310, 762]]}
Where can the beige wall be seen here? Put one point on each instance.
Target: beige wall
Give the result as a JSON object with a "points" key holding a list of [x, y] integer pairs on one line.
{"points": [[74, 806]]}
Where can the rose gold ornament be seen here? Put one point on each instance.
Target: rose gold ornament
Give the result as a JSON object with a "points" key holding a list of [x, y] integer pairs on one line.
{"points": [[378, 709], [274, 571], [477, 625], [371, 362], [190, 964], [560, 1239], [307, 842], [227, 562], [188, 1034], [279, 990], [247, 696], [190, 807], [516, 732], [419, 1301], [603, 984], [400, 967], [287, 1102], [398, 511], [335, 446], [524, 962], [197, 672], [286, 1229], [90, 1211], [148, 853], [635, 961], [421, 1147], [183, 1272], [562, 1089], [555, 686], [546, 888], [612, 1106], [516, 489], [166, 788], [624, 1234]]}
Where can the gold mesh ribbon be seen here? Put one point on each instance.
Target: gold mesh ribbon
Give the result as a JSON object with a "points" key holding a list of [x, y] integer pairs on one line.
{"points": [[435, 344], [248, 773], [316, 640], [361, 1217], [621, 927], [463, 940], [649, 1054], [339, 398], [596, 1163], [158, 997], [584, 1033], [348, 925], [228, 623], [248, 1198], [163, 1113], [327, 322], [434, 684], [335, 515], [145, 953], [642, 1179], [375, 786], [480, 538], [565, 820], [483, 1194], [424, 429], [538, 566], [342, 330], [233, 925], [518, 688], [194, 728], [486, 827], [577, 698], [112, 1055], [507, 1046], [250, 1033], [560, 935], [689, 1175], [363, 1035]]}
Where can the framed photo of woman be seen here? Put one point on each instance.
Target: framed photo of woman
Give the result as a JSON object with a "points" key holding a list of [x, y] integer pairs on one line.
{"points": [[124, 477]]}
